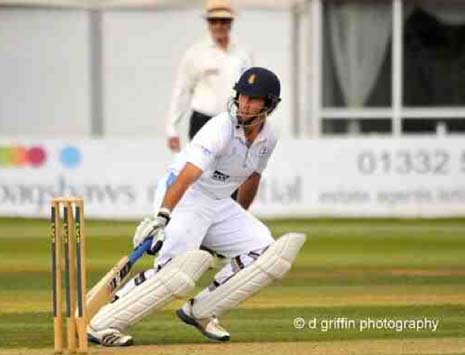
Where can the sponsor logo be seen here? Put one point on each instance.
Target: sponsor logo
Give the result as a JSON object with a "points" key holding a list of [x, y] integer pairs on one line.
{"points": [[19, 156], [219, 176], [70, 157], [15, 156], [39, 194]]}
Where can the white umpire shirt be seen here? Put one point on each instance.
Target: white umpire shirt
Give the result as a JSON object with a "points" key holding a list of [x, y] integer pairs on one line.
{"points": [[221, 151], [205, 80]]}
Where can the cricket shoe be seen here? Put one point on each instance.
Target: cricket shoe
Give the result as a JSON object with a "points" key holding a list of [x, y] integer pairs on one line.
{"points": [[108, 337], [210, 327]]}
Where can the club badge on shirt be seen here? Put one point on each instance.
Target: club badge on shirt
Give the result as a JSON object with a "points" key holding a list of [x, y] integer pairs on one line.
{"points": [[264, 151]]}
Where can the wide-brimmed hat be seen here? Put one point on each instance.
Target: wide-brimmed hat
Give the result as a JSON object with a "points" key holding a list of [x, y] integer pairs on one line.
{"points": [[219, 9]]}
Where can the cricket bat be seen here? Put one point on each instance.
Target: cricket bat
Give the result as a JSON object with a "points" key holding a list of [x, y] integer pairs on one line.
{"points": [[104, 291]]}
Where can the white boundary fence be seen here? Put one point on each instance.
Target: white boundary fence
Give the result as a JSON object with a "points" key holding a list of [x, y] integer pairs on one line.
{"points": [[419, 177]]}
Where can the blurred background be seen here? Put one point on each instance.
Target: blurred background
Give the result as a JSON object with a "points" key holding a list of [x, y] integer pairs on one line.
{"points": [[371, 125], [371, 122]]}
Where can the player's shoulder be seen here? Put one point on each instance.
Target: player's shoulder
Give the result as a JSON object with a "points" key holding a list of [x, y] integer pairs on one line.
{"points": [[270, 134], [221, 123], [218, 128], [223, 118]]}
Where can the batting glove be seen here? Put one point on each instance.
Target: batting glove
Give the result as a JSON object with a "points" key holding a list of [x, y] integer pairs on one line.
{"points": [[152, 227]]}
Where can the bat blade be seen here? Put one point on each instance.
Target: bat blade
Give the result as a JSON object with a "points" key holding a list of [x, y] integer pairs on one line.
{"points": [[104, 291]]}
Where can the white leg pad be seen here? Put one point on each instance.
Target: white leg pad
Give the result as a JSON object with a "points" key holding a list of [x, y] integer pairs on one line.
{"points": [[175, 280], [273, 264]]}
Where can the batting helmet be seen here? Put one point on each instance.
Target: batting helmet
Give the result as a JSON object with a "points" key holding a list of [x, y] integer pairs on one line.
{"points": [[260, 82]]}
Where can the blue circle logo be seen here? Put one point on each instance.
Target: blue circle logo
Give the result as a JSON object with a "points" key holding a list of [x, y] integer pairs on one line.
{"points": [[70, 157]]}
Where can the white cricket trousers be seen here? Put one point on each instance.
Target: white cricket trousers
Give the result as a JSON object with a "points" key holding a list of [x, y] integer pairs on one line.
{"points": [[222, 226]]}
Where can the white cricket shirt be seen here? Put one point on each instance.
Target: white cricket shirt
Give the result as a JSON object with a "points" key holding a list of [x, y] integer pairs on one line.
{"points": [[220, 150], [205, 80]]}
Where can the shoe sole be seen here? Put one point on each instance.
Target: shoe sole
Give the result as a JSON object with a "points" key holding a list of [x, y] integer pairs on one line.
{"points": [[93, 339], [97, 341], [191, 321]]}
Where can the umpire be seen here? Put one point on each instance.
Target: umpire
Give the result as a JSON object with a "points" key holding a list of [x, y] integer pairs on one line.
{"points": [[207, 74]]}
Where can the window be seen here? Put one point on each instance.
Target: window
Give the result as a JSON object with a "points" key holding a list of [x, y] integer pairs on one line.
{"points": [[357, 54], [389, 67], [434, 55]]}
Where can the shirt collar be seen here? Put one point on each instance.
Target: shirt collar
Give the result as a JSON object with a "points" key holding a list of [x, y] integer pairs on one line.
{"points": [[261, 137]]}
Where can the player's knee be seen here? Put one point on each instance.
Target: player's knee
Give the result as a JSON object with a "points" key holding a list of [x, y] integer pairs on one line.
{"points": [[235, 265], [237, 282]]}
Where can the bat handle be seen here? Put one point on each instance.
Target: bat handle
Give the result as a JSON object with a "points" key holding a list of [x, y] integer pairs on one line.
{"points": [[140, 250]]}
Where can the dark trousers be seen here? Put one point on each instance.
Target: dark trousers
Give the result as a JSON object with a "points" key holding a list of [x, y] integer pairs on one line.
{"points": [[196, 122]]}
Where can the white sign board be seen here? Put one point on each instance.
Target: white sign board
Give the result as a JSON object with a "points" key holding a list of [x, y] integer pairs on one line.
{"points": [[331, 177]]}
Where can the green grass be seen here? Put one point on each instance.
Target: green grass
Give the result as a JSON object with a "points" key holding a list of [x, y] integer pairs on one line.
{"points": [[262, 325], [395, 269]]}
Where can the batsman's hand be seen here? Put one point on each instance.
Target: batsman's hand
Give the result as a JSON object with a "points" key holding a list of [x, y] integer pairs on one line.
{"points": [[152, 227]]}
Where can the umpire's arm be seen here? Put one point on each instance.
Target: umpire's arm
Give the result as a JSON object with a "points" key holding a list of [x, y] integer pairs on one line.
{"points": [[248, 190]]}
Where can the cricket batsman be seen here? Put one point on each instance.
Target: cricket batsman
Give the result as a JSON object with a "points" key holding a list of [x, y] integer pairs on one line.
{"points": [[198, 218]]}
